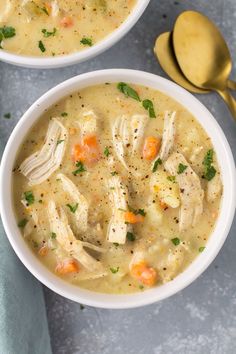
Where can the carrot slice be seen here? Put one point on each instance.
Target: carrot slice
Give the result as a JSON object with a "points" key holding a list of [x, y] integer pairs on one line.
{"points": [[67, 21], [146, 275], [67, 266], [78, 153], [132, 218], [151, 147], [88, 151], [43, 251]]}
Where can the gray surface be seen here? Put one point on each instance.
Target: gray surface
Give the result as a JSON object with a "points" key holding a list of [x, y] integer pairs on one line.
{"points": [[202, 318]]}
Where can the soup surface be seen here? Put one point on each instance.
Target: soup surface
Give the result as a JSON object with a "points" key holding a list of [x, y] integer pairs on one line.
{"points": [[58, 27], [117, 188]]}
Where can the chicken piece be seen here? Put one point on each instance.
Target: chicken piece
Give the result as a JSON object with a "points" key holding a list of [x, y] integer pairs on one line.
{"points": [[41, 165], [66, 239], [81, 213], [87, 122], [154, 213], [166, 189], [30, 226], [191, 192], [168, 135], [127, 135], [117, 228], [6, 8]]}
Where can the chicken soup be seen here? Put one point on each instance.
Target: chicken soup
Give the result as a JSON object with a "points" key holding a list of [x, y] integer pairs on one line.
{"points": [[117, 188], [58, 27]]}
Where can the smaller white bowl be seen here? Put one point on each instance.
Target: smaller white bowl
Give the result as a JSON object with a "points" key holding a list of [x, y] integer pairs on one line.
{"points": [[216, 239], [80, 56]]}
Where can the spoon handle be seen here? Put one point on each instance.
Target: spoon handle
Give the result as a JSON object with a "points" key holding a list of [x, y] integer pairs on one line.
{"points": [[231, 85], [229, 100]]}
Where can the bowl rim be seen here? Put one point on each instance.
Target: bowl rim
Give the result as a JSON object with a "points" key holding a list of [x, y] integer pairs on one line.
{"points": [[80, 56], [217, 238]]}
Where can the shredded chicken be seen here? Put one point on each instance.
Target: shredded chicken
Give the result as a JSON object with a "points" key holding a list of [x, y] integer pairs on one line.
{"points": [[75, 248], [127, 135], [117, 228], [168, 136], [40, 166], [81, 213], [30, 226], [191, 192], [6, 8], [87, 122]]}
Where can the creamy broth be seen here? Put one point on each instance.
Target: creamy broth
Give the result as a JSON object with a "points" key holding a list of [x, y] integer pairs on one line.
{"points": [[146, 190], [58, 27]]}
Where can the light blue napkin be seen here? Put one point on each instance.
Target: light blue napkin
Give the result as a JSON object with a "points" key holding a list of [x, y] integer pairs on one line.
{"points": [[23, 321]]}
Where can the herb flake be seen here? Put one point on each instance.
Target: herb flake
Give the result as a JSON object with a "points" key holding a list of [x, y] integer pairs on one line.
{"points": [[114, 270], [106, 151], [47, 34], [175, 241], [87, 41], [148, 105], [80, 168], [29, 197], [41, 46], [130, 236], [73, 208], [128, 91], [181, 168], [22, 223], [156, 164]]}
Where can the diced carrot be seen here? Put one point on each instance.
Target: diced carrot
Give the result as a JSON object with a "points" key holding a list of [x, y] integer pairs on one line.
{"points": [[146, 275], [163, 205], [43, 251], [132, 218], [151, 147], [67, 266], [88, 151], [78, 153], [67, 21], [72, 131]]}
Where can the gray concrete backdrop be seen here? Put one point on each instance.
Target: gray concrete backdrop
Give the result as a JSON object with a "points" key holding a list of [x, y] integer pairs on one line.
{"points": [[202, 318]]}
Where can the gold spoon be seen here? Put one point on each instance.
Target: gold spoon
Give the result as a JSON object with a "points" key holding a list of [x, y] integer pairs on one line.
{"points": [[203, 55], [165, 54]]}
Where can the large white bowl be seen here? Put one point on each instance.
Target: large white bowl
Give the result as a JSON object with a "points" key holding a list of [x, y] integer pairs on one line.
{"points": [[217, 238], [80, 56]]}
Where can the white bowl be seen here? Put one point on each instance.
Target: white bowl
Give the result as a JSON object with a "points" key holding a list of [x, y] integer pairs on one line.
{"points": [[217, 238], [80, 56]]}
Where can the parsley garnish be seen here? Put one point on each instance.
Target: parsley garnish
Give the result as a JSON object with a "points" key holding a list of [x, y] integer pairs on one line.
{"points": [[128, 91], [73, 208], [210, 170], [114, 270], [171, 178], [64, 114], [175, 241], [22, 223], [60, 141], [148, 105], [86, 41], [181, 168], [130, 236], [53, 235], [47, 34], [201, 249], [7, 115], [114, 173], [29, 197], [41, 46], [80, 168], [156, 164], [44, 10], [106, 151], [6, 32]]}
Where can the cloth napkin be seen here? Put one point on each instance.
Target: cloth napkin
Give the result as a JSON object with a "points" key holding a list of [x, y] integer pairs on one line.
{"points": [[23, 321]]}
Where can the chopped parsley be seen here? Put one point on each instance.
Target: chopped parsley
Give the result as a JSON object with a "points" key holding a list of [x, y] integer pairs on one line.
{"points": [[201, 249], [171, 178], [41, 46], [148, 105], [141, 287], [43, 9], [47, 34], [6, 32], [53, 235], [29, 197], [64, 114], [22, 223], [7, 115], [128, 91], [106, 151], [73, 208], [210, 170], [114, 173], [116, 244], [137, 211], [181, 168], [60, 141], [114, 270], [80, 168], [175, 241], [130, 236], [86, 41], [156, 164]]}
